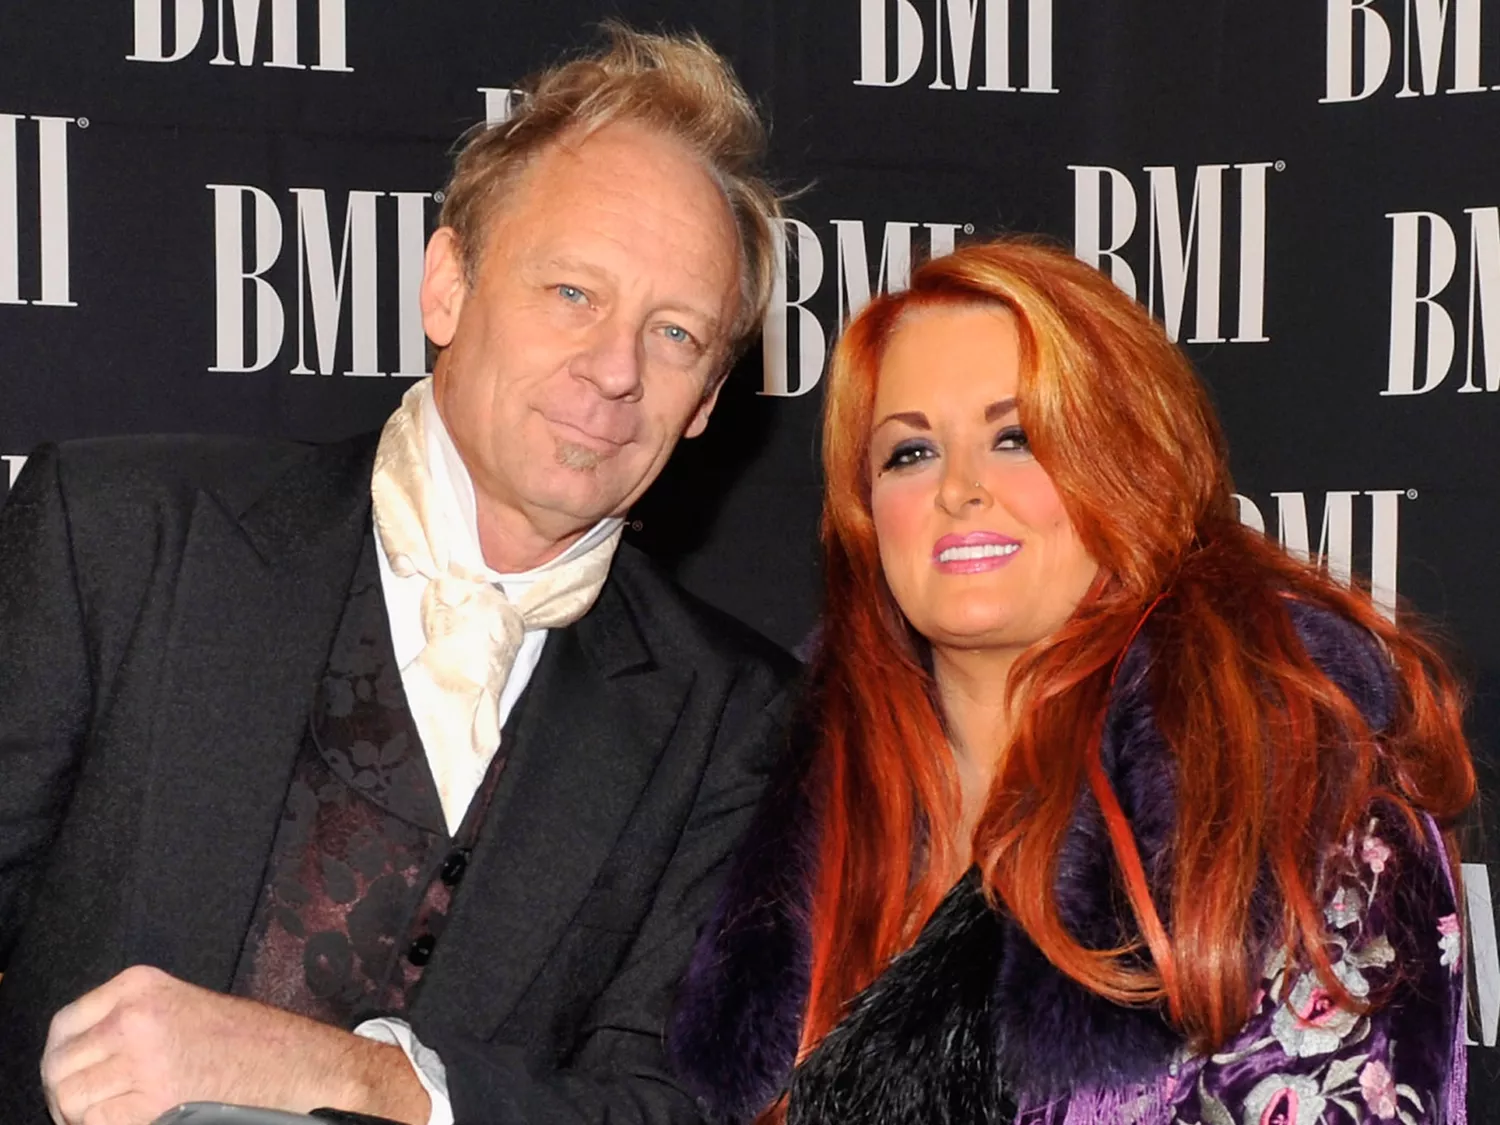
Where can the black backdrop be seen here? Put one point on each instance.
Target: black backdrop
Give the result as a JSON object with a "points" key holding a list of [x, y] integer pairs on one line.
{"points": [[212, 215]]}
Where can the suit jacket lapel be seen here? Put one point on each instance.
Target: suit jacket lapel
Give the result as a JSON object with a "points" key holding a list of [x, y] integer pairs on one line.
{"points": [[262, 582], [600, 714]]}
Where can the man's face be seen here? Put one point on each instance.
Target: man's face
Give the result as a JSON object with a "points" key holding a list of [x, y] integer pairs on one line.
{"points": [[589, 341]]}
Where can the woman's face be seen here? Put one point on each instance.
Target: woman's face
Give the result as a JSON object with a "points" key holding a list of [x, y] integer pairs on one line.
{"points": [[974, 541]]}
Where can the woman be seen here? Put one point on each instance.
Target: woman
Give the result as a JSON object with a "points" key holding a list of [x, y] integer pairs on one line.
{"points": [[1108, 810]]}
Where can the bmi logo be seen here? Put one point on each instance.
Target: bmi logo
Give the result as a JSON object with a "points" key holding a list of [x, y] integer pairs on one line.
{"points": [[10, 467], [1179, 245], [974, 44], [34, 253], [1362, 45], [795, 338], [170, 30], [1424, 260], [1336, 535], [499, 102], [1484, 967], [249, 237]]}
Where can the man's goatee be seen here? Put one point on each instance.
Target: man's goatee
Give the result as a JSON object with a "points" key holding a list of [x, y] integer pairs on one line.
{"points": [[573, 456]]}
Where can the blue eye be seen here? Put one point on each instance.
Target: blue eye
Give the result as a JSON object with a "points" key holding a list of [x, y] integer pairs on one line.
{"points": [[677, 335], [907, 454], [572, 294], [1013, 438]]}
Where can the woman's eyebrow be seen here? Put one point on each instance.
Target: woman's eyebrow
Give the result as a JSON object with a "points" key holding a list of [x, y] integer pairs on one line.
{"points": [[996, 410], [913, 418]]}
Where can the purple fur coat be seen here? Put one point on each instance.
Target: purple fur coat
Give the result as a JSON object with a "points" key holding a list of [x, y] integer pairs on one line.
{"points": [[973, 1025]]}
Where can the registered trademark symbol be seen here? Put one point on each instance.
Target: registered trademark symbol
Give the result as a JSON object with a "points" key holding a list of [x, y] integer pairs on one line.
{"points": [[439, 196], [968, 228], [83, 122], [1411, 493], [1281, 166]]}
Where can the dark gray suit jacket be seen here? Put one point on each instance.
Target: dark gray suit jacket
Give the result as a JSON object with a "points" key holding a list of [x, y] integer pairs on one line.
{"points": [[166, 606]]}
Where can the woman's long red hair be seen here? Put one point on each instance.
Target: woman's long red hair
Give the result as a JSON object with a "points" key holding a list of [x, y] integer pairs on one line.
{"points": [[1273, 761]]}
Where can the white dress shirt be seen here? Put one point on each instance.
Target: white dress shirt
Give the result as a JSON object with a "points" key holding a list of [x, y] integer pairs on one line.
{"points": [[403, 601]]}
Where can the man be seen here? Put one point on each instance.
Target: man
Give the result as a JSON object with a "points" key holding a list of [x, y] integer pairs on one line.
{"points": [[443, 765]]}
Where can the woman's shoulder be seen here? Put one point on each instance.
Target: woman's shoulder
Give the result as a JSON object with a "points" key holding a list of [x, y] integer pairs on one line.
{"points": [[1342, 649], [1349, 655]]}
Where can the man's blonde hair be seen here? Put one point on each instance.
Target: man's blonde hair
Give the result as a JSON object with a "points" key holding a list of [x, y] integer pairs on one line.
{"points": [[677, 85]]}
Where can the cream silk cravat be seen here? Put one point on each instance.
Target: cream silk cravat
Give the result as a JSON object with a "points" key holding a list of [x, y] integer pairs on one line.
{"points": [[472, 629]]}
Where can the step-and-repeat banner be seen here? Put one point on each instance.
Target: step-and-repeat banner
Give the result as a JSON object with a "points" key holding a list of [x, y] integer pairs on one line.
{"points": [[212, 216]]}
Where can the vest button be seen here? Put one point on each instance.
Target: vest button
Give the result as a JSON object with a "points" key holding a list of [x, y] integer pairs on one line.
{"points": [[454, 867], [419, 952]]}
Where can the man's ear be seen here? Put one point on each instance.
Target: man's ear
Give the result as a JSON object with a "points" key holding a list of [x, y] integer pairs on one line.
{"points": [[444, 286], [700, 418]]}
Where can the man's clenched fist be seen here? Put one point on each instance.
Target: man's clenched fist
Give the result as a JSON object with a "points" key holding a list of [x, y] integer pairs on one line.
{"points": [[146, 1041]]}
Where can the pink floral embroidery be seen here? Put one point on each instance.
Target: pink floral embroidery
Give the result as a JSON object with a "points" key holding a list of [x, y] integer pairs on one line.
{"points": [[1285, 1099], [1310, 1022], [1375, 853], [1378, 1088], [1344, 908], [1449, 942], [1320, 1010], [1282, 1110]]}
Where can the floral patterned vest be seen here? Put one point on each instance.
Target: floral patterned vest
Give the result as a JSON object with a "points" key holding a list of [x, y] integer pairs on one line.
{"points": [[363, 870]]}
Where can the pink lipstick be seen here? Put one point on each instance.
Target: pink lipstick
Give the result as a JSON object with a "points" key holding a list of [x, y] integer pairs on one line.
{"points": [[974, 553]]}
